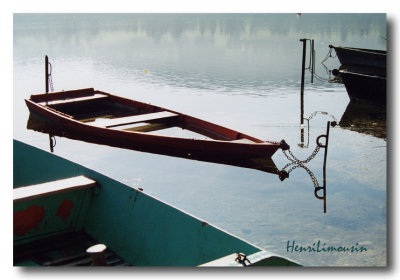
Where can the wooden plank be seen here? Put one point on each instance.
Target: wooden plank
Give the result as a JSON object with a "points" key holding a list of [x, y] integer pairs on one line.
{"points": [[149, 127], [133, 119], [228, 260], [54, 187], [92, 119], [73, 100], [61, 95], [244, 140]]}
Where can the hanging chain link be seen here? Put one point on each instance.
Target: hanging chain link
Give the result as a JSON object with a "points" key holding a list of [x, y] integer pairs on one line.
{"points": [[318, 77], [295, 160], [242, 258], [50, 78], [310, 173], [300, 163]]}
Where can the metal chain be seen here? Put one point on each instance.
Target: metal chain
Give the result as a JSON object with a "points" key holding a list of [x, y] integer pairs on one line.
{"points": [[321, 79], [316, 113], [310, 173], [50, 78], [294, 159], [300, 163], [328, 55], [272, 142], [322, 113], [312, 115]]}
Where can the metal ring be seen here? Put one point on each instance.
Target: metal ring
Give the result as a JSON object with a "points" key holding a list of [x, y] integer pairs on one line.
{"points": [[319, 144], [316, 193]]}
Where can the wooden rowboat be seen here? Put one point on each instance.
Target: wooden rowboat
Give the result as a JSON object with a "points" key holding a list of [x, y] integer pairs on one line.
{"points": [[117, 121], [68, 215]]}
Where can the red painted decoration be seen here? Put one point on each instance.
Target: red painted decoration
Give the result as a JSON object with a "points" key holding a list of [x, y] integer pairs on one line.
{"points": [[26, 220], [64, 210]]}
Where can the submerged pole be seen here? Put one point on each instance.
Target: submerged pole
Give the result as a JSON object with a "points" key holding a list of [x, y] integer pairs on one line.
{"points": [[303, 64], [328, 125], [325, 146], [46, 70]]}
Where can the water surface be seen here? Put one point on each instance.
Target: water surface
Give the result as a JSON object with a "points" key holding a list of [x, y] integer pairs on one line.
{"points": [[241, 71]]}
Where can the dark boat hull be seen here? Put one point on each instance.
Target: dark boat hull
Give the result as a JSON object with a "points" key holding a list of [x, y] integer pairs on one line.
{"points": [[368, 88], [367, 60]]}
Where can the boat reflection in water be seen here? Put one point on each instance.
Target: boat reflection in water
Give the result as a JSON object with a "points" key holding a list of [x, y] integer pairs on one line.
{"points": [[40, 124], [264, 164], [365, 118]]}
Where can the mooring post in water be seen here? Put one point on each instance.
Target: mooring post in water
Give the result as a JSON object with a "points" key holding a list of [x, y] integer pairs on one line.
{"points": [[325, 146], [328, 125], [303, 65], [46, 70], [312, 61]]}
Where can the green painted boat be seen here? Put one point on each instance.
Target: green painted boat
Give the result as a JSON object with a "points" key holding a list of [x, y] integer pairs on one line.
{"points": [[68, 215]]}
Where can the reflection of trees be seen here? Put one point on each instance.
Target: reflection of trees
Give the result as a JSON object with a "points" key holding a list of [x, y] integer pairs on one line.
{"points": [[157, 25], [240, 51]]}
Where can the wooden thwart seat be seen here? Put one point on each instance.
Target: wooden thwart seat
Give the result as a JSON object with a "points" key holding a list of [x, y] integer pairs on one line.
{"points": [[243, 140], [149, 127], [133, 119], [96, 96], [53, 187]]}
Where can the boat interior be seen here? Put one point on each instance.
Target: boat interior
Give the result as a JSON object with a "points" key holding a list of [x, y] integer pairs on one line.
{"points": [[46, 230], [101, 109], [62, 209], [68, 249]]}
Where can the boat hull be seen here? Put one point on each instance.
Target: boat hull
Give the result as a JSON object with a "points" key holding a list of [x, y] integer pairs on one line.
{"points": [[226, 142], [363, 87], [140, 229], [370, 61]]}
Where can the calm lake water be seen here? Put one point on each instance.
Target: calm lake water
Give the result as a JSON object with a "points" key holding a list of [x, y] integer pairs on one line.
{"points": [[243, 72]]}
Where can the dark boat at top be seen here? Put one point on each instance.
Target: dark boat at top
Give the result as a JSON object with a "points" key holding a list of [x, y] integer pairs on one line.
{"points": [[363, 72], [120, 122], [366, 60]]}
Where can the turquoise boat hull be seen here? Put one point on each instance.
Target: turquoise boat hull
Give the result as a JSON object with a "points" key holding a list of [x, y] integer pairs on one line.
{"points": [[140, 229]]}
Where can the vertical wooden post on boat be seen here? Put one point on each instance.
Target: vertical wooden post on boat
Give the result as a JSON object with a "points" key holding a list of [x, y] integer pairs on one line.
{"points": [[46, 74], [97, 253], [303, 64], [46, 70]]}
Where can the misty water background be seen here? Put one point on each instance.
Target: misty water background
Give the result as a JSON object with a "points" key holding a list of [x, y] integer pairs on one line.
{"points": [[238, 70]]}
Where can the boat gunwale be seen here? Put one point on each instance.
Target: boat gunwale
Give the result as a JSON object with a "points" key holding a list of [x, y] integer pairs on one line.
{"points": [[349, 72], [368, 51]]}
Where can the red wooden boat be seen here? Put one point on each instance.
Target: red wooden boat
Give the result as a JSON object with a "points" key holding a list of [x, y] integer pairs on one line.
{"points": [[109, 119]]}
